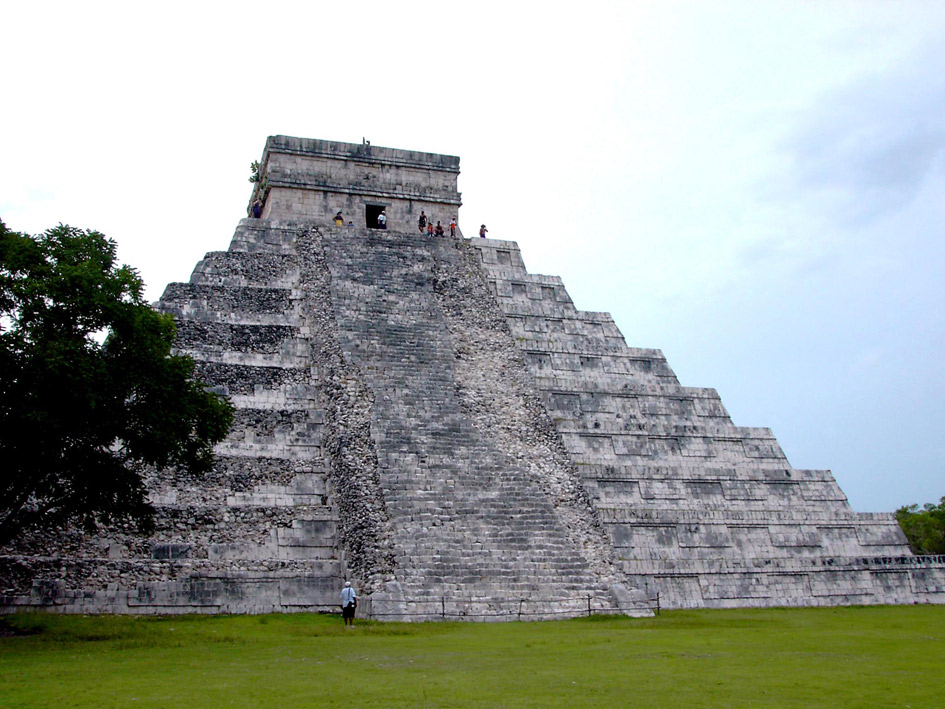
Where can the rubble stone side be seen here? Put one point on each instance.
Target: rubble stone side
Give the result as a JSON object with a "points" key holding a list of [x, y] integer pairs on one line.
{"points": [[496, 390], [347, 439]]}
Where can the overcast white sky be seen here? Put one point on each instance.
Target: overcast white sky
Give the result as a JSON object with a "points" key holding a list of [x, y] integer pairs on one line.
{"points": [[753, 187]]}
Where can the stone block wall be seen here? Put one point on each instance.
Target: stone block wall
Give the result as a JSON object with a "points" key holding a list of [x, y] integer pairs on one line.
{"points": [[305, 179], [260, 532], [697, 508]]}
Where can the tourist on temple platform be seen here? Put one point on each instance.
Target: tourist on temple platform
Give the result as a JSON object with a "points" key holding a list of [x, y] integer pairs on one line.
{"points": [[482, 231], [382, 220], [339, 220], [349, 601], [453, 227], [423, 222], [439, 229], [257, 208], [429, 228]]}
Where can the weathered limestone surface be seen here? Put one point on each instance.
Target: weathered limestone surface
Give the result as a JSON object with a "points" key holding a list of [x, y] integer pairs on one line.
{"points": [[306, 179], [373, 437], [473, 530], [428, 419], [703, 511], [260, 532]]}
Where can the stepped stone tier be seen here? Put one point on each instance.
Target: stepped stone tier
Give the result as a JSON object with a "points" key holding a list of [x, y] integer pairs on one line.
{"points": [[426, 418]]}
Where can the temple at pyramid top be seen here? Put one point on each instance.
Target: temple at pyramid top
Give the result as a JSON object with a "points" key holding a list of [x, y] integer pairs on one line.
{"points": [[302, 178]]}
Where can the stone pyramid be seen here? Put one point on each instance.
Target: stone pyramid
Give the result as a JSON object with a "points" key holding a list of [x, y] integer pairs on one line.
{"points": [[423, 416]]}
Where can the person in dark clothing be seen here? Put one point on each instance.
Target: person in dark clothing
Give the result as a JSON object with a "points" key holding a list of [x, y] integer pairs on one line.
{"points": [[423, 222], [439, 230]]}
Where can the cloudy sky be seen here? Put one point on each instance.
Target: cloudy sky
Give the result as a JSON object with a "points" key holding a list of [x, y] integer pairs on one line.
{"points": [[753, 187]]}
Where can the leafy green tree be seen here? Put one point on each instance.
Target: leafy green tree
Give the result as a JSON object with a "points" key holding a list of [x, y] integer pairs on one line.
{"points": [[924, 528], [90, 393]]}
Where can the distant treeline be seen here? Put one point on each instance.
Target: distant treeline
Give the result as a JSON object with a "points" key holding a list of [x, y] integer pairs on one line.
{"points": [[924, 528]]}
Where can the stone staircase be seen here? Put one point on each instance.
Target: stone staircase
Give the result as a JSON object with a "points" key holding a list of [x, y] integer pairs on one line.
{"points": [[473, 533]]}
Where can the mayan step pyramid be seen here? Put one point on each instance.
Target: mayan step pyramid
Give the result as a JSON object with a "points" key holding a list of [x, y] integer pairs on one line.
{"points": [[424, 417]]}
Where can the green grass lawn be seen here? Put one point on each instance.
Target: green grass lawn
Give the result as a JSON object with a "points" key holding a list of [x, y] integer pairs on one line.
{"points": [[843, 657]]}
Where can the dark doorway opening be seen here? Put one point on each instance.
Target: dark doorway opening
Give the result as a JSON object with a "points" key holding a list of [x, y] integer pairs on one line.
{"points": [[370, 214]]}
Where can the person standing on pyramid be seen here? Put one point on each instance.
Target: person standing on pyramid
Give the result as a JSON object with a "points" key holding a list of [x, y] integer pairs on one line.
{"points": [[423, 222], [483, 231], [453, 227], [339, 220], [382, 220]]}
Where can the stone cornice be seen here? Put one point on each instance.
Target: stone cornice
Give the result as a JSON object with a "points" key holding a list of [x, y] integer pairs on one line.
{"points": [[313, 185], [365, 153]]}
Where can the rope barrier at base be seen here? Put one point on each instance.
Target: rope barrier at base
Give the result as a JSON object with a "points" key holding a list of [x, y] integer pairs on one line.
{"points": [[578, 608]]}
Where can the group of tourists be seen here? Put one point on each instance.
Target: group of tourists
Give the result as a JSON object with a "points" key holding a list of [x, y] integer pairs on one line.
{"points": [[424, 223], [426, 226]]}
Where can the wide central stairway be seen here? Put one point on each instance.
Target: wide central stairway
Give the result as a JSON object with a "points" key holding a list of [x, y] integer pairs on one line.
{"points": [[473, 534]]}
